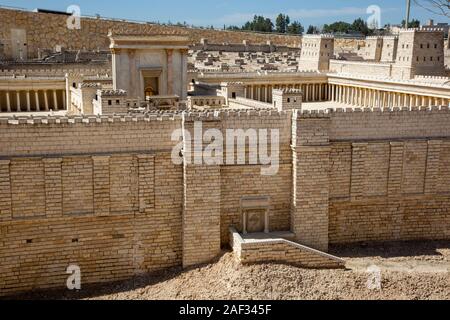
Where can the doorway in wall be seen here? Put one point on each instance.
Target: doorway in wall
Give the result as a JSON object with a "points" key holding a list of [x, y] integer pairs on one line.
{"points": [[151, 85]]}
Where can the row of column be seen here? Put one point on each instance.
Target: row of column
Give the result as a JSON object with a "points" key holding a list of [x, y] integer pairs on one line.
{"points": [[32, 100], [311, 92], [372, 98]]}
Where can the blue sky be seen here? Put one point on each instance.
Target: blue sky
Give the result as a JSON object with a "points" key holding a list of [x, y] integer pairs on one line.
{"points": [[233, 12]]}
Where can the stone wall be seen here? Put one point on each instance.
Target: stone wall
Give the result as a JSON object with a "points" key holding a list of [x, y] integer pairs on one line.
{"points": [[103, 196], [379, 69], [241, 180], [103, 192], [389, 176], [93, 33]]}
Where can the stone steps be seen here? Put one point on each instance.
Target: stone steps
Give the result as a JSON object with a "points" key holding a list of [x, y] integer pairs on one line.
{"points": [[276, 247]]}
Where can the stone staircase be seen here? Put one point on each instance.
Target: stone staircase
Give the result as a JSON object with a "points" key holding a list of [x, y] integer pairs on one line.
{"points": [[278, 247]]}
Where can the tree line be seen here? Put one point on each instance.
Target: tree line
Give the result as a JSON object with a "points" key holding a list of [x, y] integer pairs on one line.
{"points": [[283, 24]]}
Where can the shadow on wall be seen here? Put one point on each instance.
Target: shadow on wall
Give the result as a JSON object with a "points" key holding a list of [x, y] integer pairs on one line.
{"points": [[391, 249], [111, 288]]}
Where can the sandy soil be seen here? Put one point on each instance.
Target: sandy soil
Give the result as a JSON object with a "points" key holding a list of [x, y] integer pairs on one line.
{"points": [[413, 270]]}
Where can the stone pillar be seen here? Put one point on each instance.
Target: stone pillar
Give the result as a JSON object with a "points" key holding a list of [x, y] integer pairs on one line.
{"points": [[433, 165], [201, 210], [395, 169], [170, 79], [5, 191], [55, 100], [146, 183], [311, 165], [333, 92], [64, 100], [266, 93], [18, 101], [358, 175], [101, 185], [251, 92], [395, 181], [53, 187], [313, 92], [36, 95], [46, 100], [8, 102], [307, 93], [28, 101], [366, 97]]}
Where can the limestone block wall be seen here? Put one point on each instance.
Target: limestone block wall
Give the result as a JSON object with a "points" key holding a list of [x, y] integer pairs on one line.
{"points": [[93, 32], [361, 67], [373, 48], [239, 180], [389, 50], [242, 103], [389, 175], [201, 206], [101, 195], [103, 192], [310, 195]]}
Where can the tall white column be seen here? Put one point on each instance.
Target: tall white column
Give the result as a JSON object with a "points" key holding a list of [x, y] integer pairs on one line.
{"points": [[55, 100], [64, 99], [8, 102], [36, 95], [18, 101], [28, 101], [46, 100]]}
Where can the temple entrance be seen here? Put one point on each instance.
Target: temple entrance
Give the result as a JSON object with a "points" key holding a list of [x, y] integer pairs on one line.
{"points": [[151, 85]]}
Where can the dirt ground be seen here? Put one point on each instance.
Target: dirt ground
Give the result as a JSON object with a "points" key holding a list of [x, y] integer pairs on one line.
{"points": [[409, 270]]}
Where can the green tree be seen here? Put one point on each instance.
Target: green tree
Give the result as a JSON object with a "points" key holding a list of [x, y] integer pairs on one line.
{"points": [[337, 27], [295, 28], [359, 25], [259, 23], [414, 23], [312, 30], [282, 23]]}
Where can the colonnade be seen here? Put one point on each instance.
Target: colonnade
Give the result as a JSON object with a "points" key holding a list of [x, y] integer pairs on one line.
{"points": [[350, 95], [311, 92], [32, 100], [367, 97]]}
